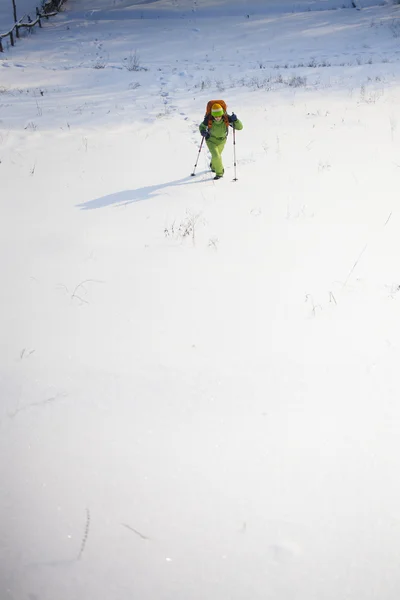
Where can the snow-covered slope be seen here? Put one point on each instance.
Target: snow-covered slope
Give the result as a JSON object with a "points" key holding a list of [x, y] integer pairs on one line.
{"points": [[157, 8], [198, 379]]}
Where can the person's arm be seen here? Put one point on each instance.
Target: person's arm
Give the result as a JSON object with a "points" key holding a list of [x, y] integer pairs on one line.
{"points": [[234, 121]]}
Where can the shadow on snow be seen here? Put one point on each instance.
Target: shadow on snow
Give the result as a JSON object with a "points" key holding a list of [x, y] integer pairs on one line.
{"points": [[129, 196]]}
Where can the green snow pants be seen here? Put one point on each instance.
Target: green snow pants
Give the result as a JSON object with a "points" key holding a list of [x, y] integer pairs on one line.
{"points": [[216, 159]]}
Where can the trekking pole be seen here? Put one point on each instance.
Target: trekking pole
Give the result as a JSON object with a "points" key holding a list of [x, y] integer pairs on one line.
{"points": [[234, 154], [198, 156]]}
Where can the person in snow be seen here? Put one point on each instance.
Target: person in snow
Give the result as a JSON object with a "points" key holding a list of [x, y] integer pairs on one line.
{"points": [[214, 129]]}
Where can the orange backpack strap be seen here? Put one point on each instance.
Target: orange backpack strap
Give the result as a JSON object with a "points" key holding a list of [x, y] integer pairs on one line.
{"points": [[208, 121]]}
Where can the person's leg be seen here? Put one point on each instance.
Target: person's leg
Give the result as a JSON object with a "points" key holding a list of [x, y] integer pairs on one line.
{"points": [[216, 160]]}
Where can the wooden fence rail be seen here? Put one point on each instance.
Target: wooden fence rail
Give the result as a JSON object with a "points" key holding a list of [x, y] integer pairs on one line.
{"points": [[49, 9]]}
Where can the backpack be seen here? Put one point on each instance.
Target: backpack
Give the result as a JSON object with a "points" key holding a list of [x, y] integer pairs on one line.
{"points": [[208, 118]]}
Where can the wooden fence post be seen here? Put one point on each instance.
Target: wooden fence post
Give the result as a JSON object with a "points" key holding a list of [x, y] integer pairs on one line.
{"points": [[15, 11], [48, 5]]}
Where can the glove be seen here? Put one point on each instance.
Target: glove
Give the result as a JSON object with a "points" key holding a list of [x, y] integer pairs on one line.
{"points": [[205, 134], [233, 118]]}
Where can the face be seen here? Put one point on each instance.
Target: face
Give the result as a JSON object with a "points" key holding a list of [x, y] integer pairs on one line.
{"points": [[217, 118]]}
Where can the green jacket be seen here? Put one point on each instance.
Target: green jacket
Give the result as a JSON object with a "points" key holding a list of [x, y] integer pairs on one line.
{"points": [[219, 131]]}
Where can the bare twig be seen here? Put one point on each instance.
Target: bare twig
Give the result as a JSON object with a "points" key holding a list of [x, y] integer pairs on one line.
{"points": [[82, 285], [34, 404], [362, 252], [135, 531], [213, 243], [310, 299], [355, 264], [388, 219], [332, 298], [85, 534], [23, 353]]}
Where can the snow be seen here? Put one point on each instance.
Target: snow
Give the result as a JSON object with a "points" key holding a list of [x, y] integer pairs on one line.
{"points": [[198, 379]]}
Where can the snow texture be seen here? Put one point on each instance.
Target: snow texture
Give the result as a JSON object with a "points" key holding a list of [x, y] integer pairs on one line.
{"points": [[199, 395]]}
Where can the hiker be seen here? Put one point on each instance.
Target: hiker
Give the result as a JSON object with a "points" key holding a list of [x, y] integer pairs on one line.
{"points": [[215, 129]]}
